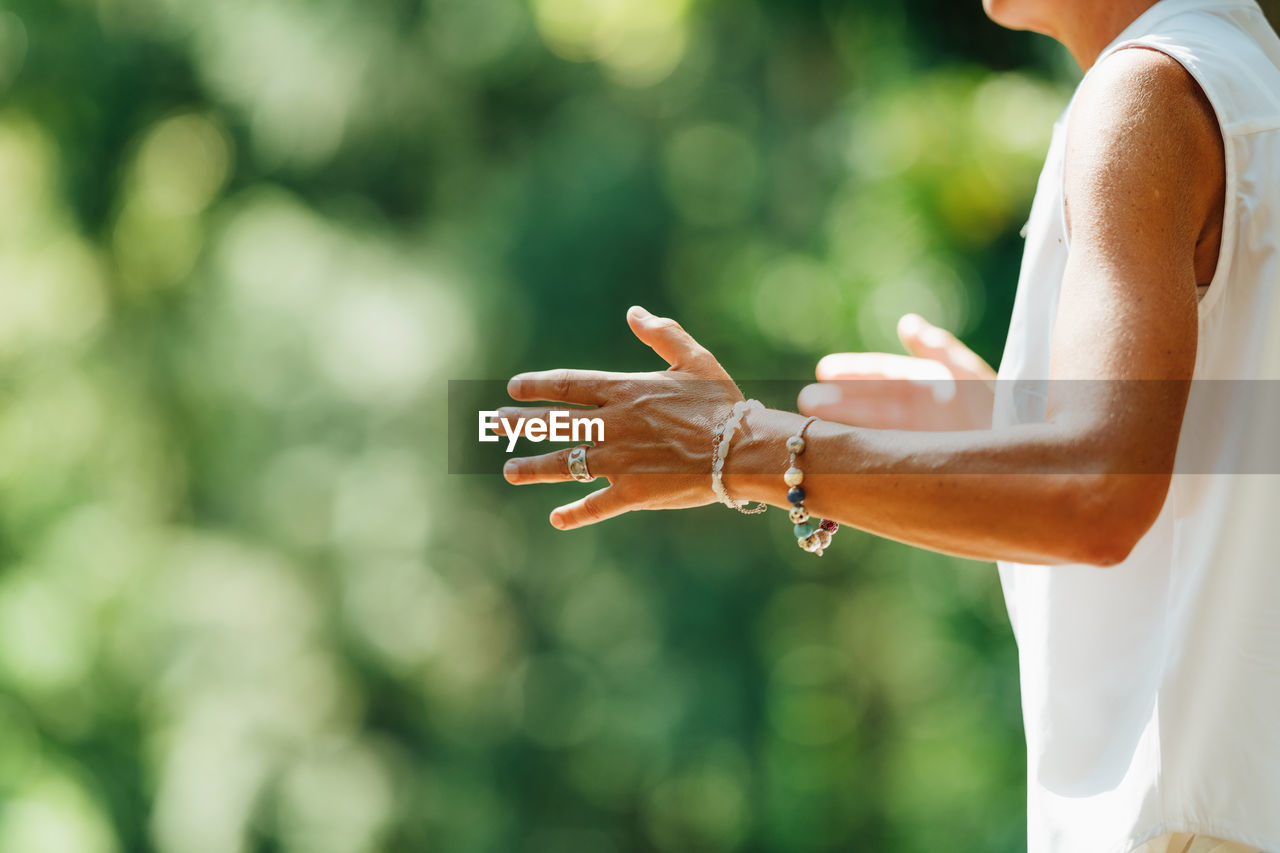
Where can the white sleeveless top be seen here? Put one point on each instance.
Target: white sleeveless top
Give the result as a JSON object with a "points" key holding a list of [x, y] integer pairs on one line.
{"points": [[1151, 689]]}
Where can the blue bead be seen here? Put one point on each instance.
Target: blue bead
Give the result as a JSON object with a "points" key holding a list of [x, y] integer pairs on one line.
{"points": [[804, 531], [796, 496]]}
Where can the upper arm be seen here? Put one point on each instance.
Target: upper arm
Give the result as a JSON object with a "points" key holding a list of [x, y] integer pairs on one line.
{"points": [[1144, 170], [1144, 174]]}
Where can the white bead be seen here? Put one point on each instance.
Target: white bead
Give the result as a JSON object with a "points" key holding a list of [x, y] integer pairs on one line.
{"points": [[799, 515], [795, 444], [793, 477], [811, 543]]}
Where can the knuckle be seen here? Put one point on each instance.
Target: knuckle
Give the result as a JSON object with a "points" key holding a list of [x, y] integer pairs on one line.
{"points": [[700, 357], [621, 429], [562, 382], [603, 461], [621, 389], [592, 510]]}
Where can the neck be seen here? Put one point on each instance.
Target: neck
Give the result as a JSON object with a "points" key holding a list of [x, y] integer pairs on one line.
{"points": [[1085, 29]]}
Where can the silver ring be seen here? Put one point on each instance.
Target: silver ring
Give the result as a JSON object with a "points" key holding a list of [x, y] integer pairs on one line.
{"points": [[578, 465]]}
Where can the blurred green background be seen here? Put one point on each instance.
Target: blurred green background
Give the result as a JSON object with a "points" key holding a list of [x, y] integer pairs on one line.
{"points": [[244, 244]]}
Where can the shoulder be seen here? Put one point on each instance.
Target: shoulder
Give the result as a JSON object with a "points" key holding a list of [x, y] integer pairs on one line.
{"points": [[1143, 95], [1140, 120], [1139, 71]]}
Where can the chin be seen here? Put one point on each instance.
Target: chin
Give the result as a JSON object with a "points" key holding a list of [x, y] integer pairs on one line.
{"points": [[1013, 14]]}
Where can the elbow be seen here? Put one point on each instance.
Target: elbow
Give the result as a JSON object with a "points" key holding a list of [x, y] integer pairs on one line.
{"points": [[1112, 512], [1105, 551]]}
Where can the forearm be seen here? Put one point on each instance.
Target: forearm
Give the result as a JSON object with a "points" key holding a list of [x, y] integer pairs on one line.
{"points": [[1035, 493]]}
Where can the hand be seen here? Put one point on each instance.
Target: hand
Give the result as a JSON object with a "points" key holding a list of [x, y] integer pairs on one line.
{"points": [[946, 386], [656, 452]]}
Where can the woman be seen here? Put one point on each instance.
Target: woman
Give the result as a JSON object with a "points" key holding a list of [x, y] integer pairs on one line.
{"points": [[1152, 259]]}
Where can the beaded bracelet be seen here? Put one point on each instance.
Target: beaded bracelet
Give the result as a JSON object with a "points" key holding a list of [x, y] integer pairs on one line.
{"points": [[810, 537], [720, 440]]}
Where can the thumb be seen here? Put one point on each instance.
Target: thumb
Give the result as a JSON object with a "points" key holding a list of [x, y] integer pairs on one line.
{"points": [[925, 340], [675, 346]]}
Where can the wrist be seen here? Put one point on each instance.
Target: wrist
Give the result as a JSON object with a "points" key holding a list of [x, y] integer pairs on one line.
{"points": [[754, 470], [722, 440]]}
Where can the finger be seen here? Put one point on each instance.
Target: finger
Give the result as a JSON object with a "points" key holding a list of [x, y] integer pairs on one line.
{"points": [[835, 403], [531, 470], [820, 400], [586, 387], [554, 467], [925, 340], [511, 415], [595, 507], [672, 343], [840, 366]]}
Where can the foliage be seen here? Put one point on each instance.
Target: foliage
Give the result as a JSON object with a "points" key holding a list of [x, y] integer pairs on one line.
{"points": [[244, 243]]}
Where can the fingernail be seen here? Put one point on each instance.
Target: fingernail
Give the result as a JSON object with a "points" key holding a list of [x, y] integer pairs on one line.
{"points": [[639, 313], [557, 521], [510, 469], [911, 324], [513, 386]]}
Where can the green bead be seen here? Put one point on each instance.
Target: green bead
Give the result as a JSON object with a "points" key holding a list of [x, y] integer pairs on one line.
{"points": [[803, 531]]}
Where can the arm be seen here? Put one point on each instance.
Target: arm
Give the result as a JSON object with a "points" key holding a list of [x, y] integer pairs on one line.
{"points": [[1143, 183], [1144, 177]]}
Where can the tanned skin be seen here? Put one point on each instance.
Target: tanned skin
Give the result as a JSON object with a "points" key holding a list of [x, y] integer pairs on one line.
{"points": [[1145, 178]]}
